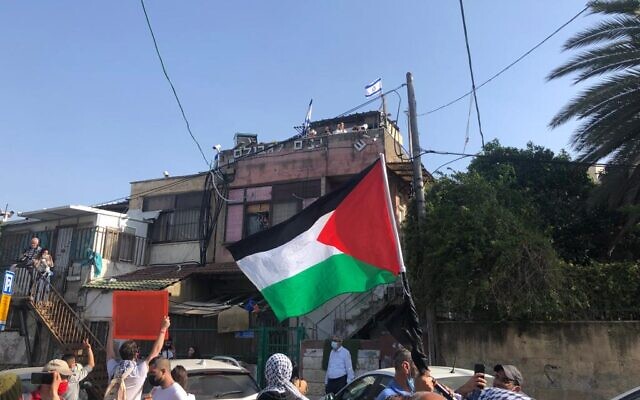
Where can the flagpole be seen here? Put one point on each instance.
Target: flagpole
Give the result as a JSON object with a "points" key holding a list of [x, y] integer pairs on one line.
{"points": [[391, 213]]}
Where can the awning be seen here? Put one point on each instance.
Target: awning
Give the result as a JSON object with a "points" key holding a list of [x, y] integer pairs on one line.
{"points": [[48, 214]]}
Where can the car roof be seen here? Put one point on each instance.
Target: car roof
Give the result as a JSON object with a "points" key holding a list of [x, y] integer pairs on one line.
{"points": [[23, 373], [437, 372], [627, 393], [202, 364]]}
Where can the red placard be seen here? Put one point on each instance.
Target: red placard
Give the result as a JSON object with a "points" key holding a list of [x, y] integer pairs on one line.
{"points": [[138, 315]]}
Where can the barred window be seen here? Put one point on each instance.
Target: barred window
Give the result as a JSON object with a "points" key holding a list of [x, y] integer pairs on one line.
{"points": [[179, 218], [254, 209]]}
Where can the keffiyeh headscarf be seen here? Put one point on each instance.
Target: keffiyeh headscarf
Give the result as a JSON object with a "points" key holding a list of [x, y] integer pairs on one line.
{"points": [[278, 372], [502, 394]]}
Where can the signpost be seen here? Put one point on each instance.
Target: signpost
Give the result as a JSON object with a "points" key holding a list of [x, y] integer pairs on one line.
{"points": [[5, 299]]}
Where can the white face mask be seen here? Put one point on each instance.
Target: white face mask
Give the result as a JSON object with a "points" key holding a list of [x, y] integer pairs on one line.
{"points": [[334, 345]]}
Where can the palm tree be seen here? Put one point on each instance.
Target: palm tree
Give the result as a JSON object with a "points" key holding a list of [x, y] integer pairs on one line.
{"points": [[609, 110]]}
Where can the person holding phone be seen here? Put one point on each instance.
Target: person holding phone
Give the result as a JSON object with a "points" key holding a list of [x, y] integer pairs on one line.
{"points": [[52, 382]]}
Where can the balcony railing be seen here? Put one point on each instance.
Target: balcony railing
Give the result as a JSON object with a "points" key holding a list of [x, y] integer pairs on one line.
{"points": [[78, 249]]}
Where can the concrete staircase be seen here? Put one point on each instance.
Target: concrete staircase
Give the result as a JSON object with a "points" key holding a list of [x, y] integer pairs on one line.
{"points": [[66, 327], [355, 311]]}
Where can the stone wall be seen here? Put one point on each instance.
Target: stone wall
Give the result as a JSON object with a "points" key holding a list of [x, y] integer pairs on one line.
{"points": [[559, 361], [14, 352], [368, 359]]}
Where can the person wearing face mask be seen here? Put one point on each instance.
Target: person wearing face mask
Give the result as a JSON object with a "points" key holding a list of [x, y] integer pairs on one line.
{"points": [[58, 387], [403, 383], [164, 387], [340, 368]]}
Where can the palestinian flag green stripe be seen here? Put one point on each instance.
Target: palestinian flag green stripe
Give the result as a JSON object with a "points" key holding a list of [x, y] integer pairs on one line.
{"points": [[319, 283]]}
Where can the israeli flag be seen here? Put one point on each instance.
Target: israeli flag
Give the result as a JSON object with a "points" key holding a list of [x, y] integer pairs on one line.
{"points": [[373, 88], [307, 119]]}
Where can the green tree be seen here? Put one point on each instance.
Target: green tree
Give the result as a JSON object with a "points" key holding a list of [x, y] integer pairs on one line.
{"points": [[609, 110], [558, 188], [479, 253]]}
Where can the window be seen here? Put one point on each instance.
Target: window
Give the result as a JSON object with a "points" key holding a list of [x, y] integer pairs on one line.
{"points": [[257, 218], [251, 210], [358, 389], [179, 219]]}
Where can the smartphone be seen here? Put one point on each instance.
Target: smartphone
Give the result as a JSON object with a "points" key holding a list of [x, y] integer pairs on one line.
{"points": [[42, 378], [478, 368]]}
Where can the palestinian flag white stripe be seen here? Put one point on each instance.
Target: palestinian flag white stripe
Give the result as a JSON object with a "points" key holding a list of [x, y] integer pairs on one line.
{"points": [[304, 251]]}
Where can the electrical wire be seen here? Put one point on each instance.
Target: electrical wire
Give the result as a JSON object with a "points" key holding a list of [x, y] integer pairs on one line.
{"points": [[473, 80], [369, 102], [517, 158], [466, 133], [156, 189], [505, 69], [219, 168], [447, 163], [173, 89]]}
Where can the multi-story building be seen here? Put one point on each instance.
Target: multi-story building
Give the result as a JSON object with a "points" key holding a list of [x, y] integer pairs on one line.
{"points": [[193, 218], [86, 244]]}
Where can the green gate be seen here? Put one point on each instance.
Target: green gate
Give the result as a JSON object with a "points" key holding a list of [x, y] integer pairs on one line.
{"points": [[273, 340]]}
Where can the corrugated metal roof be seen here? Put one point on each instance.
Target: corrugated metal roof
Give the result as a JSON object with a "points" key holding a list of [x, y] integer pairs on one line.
{"points": [[143, 284], [160, 277]]}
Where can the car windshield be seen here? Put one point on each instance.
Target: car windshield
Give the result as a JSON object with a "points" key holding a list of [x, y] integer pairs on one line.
{"points": [[221, 386]]}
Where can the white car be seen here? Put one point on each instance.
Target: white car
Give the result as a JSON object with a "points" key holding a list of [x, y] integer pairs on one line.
{"points": [[370, 384], [25, 376], [633, 394], [218, 380]]}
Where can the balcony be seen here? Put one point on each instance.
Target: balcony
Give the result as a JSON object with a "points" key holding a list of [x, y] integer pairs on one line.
{"points": [[72, 249]]}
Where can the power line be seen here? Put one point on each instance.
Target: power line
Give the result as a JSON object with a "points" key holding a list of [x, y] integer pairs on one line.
{"points": [[505, 69], [473, 80], [173, 89], [369, 102], [518, 158], [236, 160]]}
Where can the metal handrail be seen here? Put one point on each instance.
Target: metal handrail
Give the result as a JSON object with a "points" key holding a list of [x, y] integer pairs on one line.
{"points": [[51, 306]]}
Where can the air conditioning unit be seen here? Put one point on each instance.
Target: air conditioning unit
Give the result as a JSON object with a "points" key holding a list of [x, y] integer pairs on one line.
{"points": [[244, 139]]}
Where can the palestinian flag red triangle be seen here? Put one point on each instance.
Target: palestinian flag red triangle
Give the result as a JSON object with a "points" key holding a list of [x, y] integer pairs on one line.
{"points": [[361, 225]]}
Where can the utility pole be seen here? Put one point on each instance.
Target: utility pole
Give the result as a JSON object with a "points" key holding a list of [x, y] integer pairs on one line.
{"points": [[418, 191]]}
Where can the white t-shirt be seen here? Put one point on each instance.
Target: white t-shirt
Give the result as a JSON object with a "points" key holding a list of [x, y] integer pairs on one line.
{"points": [[173, 392], [134, 381]]}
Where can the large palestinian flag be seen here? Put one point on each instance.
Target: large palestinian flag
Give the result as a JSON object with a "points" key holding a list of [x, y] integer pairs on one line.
{"points": [[346, 241]]}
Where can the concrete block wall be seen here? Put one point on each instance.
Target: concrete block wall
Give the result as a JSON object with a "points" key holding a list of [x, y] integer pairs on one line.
{"points": [[312, 372]]}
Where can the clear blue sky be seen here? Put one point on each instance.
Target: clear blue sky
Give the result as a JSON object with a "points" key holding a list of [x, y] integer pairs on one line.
{"points": [[85, 109]]}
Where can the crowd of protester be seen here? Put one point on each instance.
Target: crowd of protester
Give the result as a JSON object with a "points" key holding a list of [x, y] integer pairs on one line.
{"points": [[128, 374]]}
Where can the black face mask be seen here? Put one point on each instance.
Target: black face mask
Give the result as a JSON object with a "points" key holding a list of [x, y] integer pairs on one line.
{"points": [[152, 380]]}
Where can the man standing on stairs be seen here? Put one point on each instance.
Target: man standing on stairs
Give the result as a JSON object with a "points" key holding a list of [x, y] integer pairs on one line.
{"points": [[133, 370], [79, 372], [340, 368]]}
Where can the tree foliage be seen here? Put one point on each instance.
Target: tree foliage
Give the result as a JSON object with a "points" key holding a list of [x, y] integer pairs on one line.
{"points": [[512, 238], [609, 110], [479, 252]]}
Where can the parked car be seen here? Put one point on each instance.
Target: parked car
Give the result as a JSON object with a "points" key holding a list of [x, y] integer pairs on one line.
{"points": [[25, 376], [217, 380], [633, 394], [370, 384]]}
